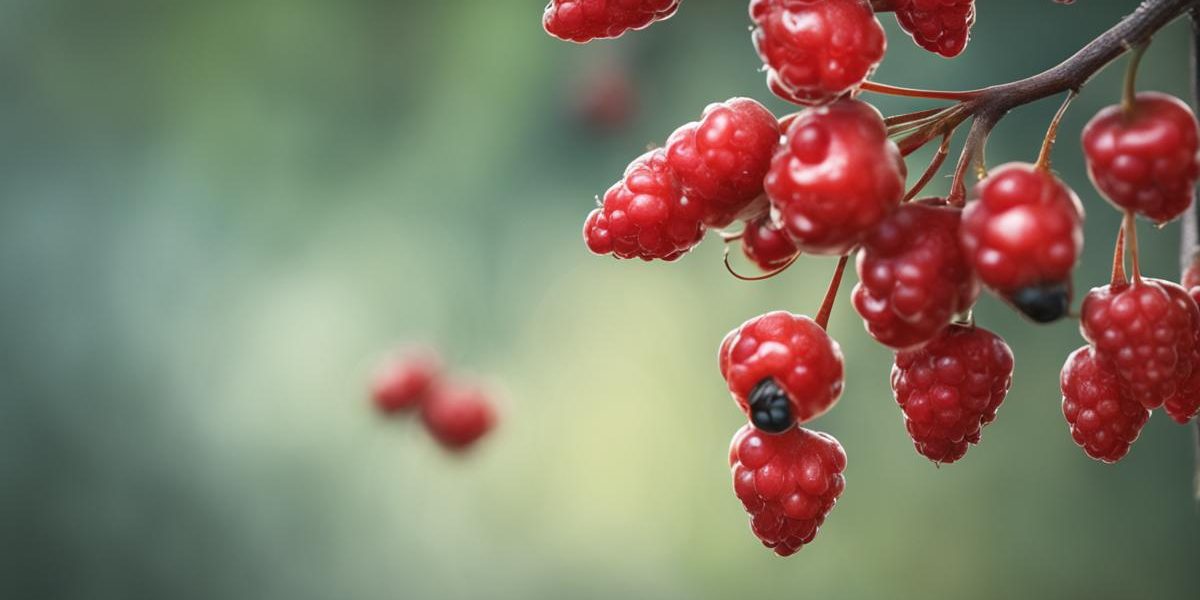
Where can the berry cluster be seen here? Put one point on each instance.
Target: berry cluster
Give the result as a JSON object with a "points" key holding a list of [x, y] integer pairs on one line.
{"points": [[455, 414], [830, 180], [586, 20]]}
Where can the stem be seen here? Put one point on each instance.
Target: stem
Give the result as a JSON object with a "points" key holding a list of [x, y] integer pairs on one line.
{"points": [[906, 118], [831, 294], [1130, 93], [1043, 161], [1131, 241], [936, 163], [892, 90], [972, 155], [1118, 269]]}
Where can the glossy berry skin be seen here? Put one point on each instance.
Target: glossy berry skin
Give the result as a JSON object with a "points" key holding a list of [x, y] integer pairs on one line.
{"points": [[816, 50], [1145, 160], [766, 245], [582, 21], [939, 26], [1184, 405], [950, 388], [1104, 421], [645, 215], [788, 483], [794, 354], [836, 176], [721, 159], [1022, 236], [913, 276], [404, 383], [1146, 332], [458, 416]]}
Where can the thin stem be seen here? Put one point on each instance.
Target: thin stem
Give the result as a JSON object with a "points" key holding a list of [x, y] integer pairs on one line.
{"points": [[895, 120], [972, 157], [1043, 161], [831, 294], [765, 276], [934, 165], [1118, 268], [1131, 242], [1130, 93], [892, 90]]}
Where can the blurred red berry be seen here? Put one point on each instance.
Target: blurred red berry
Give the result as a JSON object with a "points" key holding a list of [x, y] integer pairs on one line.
{"points": [[1023, 236], [1104, 421], [458, 416], [836, 177], [816, 51], [766, 245], [939, 26], [782, 369], [721, 159], [1184, 404], [788, 483], [605, 99], [913, 276], [645, 215], [404, 383], [1145, 159], [585, 20]]}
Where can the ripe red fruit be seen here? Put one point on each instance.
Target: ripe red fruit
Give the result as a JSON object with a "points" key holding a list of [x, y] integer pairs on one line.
{"points": [[816, 51], [458, 416], [1023, 236], [836, 177], [782, 369], [721, 160], [404, 383], [788, 483], [645, 215], [950, 388], [1104, 421], [1146, 332], [940, 26], [766, 245], [585, 20], [605, 99], [1184, 405], [1146, 159], [913, 277]]}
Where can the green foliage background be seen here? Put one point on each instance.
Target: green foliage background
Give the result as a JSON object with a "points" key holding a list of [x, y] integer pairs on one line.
{"points": [[214, 216]]}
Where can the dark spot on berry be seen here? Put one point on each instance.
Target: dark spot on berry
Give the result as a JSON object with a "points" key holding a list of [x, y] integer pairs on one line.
{"points": [[770, 407], [1043, 303]]}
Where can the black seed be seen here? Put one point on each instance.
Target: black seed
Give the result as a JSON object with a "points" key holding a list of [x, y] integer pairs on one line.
{"points": [[1043, 303], [770, 408]]}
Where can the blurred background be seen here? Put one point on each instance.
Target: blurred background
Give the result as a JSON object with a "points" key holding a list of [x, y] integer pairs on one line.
{"points": [[215, 216]]}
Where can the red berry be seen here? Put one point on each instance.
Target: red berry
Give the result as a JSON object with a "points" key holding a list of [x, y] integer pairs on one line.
{"points": [[721, 160], [836, 177], [913, 277], [940, 26], [1023, 236], [1145, 160], [605, 99], [1104, 420], [782, 369], [586, 20], [766, 245], [404, 383], [950, 388], [816, 50], [458, 416], [1146, 332], [788, 483], [1184, 405], [645, 215], [1191, 277]]}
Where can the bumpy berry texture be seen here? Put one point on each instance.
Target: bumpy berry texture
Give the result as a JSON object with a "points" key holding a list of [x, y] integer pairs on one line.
{"points": [[782, 354], [1145, 160], [836, 176], [645, 215], [458, 416], [816, 50], [1022, 236], [950, 388], [766, 245], [939, 26], [404, 383], [1146, 332], [1184, 405], [1104, 421], [788, 483], [585, 20], [913, 276], [721, 159]]}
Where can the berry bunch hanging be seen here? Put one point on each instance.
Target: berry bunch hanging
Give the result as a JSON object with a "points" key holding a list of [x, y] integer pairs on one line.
{"points": [[455, 413], [830, 180]]}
